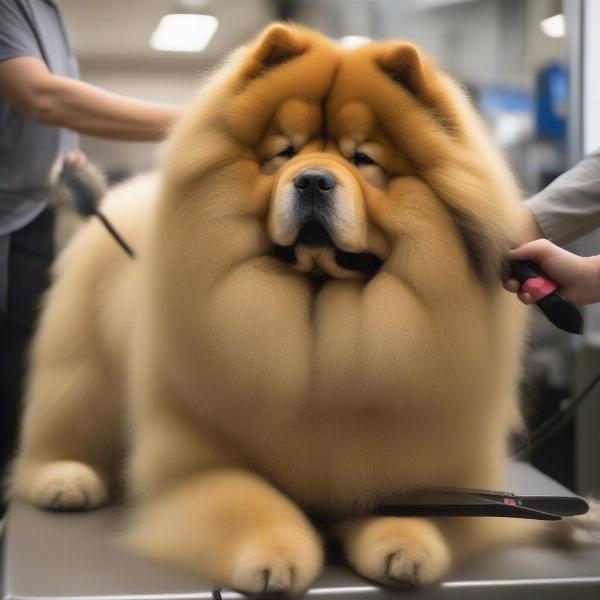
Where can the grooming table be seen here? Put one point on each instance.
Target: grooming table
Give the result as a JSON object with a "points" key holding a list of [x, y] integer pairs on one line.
{"points": [[73, 556]]}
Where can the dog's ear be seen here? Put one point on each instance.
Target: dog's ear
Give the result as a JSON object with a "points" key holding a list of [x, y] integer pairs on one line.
{"points": [[278, 44], [403, 63]]}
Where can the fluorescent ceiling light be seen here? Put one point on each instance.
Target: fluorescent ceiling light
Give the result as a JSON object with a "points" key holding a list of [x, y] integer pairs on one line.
{"points": [[185, 32], [353, 41], [554, 26]]}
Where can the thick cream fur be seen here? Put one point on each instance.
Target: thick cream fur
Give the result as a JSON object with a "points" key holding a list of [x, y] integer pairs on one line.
{"points": [[235, 395]]}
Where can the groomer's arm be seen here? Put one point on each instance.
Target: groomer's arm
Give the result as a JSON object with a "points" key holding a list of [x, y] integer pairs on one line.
{"points": [[530, 230], [569, 207], [26, 84]]}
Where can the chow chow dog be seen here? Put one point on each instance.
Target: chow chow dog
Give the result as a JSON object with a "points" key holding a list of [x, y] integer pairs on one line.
{"points": [[314, 322]]}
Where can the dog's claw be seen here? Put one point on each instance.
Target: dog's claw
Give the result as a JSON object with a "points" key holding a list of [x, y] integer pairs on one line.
{"points": [[267, 577], [409, 577]]}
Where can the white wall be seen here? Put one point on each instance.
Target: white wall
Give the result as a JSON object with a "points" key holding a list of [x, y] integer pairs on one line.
{"points": [[479, 41], [588, 359], [591, 76]]}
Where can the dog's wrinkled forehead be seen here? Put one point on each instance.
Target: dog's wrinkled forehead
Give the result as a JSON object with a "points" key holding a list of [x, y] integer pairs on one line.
{"points": [[374, 83], [285, 77], [297, 81], [297, 120]]}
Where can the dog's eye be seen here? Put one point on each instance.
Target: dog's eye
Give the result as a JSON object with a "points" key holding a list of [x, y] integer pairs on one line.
{"points": [[289, 152], [362, 159]]}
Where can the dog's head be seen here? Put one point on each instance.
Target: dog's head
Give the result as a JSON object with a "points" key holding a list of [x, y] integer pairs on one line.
{"points": [[366, 172], [338, 154], [402, 155]]}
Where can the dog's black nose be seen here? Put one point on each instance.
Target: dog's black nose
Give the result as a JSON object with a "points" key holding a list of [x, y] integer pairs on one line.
{"points": [[314, 183]]}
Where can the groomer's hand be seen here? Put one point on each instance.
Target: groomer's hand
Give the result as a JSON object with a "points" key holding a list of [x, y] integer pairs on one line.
{"points": [[578, 277], [75, 160]]}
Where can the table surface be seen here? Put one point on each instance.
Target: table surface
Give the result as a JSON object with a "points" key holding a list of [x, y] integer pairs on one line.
{"points": [[72, 556]]}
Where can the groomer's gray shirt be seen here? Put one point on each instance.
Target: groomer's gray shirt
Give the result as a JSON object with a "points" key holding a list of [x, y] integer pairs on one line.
{"points": [[29, 149], [570, 206]]}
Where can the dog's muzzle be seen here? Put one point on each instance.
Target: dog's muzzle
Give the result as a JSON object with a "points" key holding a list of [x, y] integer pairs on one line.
{"points": [[313, 212]]}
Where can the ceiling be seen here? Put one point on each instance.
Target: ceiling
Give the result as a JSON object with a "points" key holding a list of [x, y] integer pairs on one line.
{"points": [[116, 33]]}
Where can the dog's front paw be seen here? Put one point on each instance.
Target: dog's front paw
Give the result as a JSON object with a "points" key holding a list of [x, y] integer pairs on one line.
{"points": [[283, 560], [67, 485], [397, 551]]}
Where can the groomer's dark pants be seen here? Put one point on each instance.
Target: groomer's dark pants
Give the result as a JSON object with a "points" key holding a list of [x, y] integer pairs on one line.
{"points": [[27, 260]]}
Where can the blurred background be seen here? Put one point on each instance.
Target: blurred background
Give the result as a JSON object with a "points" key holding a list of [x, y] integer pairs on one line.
{"points": [[526, 64], [497, 48]]}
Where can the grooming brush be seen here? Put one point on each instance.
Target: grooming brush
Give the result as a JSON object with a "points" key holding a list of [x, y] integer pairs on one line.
{"points": [[558, 310], [84, 196]]}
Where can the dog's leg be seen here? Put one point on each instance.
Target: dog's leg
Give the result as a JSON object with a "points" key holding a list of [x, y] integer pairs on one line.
{"points": [[59, 484], [233, 528], [395, 550], [197, 506], [70, 436], [69, 439], [419, 551]]}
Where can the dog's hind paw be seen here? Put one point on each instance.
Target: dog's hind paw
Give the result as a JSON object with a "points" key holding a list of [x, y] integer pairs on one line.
{"points": [[67, 485]]}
